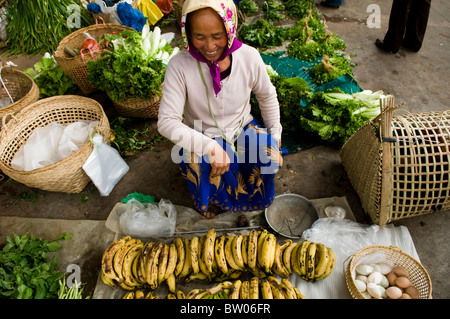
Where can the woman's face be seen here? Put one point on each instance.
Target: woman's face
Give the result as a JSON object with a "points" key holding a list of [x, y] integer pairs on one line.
{"points": [[208, 34]]}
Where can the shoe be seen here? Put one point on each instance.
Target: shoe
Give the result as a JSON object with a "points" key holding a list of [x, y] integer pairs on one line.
{"points": [[325, 4], [380, 45]]}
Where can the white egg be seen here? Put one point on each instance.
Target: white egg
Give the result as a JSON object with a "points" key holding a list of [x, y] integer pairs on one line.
{"points": [[383, 291], [364, 270], [384, 282], [384, 268], [360, 285], [374, 290], [375, 277], [366, 295], [362, 278]]}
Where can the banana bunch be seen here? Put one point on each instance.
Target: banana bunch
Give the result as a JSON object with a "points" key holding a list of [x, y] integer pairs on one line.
{"points": [[133, 264], [254, 288]]}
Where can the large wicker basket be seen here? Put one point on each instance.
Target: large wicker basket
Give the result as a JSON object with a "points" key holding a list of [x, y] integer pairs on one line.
{"points": [[22, 89], [66, 175], [417, 273], [75, 67], [399, 164]]}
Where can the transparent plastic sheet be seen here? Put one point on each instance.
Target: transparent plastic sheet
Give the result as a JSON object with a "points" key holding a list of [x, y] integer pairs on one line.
{"points": [[50, 144], [346, 237], [148, 219]]}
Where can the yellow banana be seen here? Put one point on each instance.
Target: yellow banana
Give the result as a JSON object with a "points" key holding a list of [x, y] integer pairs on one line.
{"points": [[252, 249], [322, 259], [276, 288], [195, 276], [310, 261], [107, 281], [278, 266], [128, 295], [135, 267], [229, 253], [235, 289], [244, 249], [120, 255], [330, 266], [108, 258], [181, 255], [299, 294], [172, 262], [219, 252], [181, 295], [287, 254], [261, 238], [139, 294], [150, 295], [201, 261], [254, 288], [152, 265], [187, 267], [288, 289], [193, 293], [302, 257], [142, 263], [236, 247], [171, 296], [124, 286], [194, 254], [162, 263], [244, 293], [266, 290], [171, 282], [268, 252], [294, 258], [257, 272], [208, 249], [127, 266]]}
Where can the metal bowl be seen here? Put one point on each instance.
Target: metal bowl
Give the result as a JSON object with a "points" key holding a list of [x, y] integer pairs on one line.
{"points": [[291, 214]]}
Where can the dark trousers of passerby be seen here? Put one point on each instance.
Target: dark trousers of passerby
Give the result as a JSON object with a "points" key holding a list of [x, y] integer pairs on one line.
{"points": [[407, 24]]}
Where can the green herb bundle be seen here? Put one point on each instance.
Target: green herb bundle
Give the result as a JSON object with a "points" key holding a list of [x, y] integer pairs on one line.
{"points": [[50, 78], [263, 34], [26, 272], [329, 69], [37, 26]]}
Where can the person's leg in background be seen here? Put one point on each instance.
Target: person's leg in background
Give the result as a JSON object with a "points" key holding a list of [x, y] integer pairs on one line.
{"points": [[416, 24]]}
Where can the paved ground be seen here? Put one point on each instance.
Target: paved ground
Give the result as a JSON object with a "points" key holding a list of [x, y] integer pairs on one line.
{"points": [[420, 80]]}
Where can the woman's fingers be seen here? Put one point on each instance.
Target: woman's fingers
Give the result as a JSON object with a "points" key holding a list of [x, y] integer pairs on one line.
{"points": [[219, 160]]}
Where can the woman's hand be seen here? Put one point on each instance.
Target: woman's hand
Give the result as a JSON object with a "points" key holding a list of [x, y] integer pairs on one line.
{"points": [[219, 160]]}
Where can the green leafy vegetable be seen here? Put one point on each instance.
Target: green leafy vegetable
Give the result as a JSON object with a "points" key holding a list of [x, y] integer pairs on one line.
{"points": [[298, 9], [26, 272], [263, 34], [50, 78], [248, 6], [335, 115], [134, 66], [329, 69]]}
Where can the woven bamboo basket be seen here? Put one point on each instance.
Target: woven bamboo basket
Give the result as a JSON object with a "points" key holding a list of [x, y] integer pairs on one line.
{"points": [[66, 175], [399, 164], [142, 108], [22, 89], [75, 67], [418, 275]]}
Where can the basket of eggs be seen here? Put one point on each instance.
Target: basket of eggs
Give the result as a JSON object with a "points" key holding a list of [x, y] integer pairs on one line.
{"points": [[386, 272]]}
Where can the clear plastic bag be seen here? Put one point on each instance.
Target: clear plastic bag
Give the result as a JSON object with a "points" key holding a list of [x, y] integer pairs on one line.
{"points": [[148, 219], [105, 167]]}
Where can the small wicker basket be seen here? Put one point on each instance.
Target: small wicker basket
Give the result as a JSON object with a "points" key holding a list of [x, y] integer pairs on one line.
{"points": [[142, 108], [417, 273], [66, 175], [75, 67], [22, 89]]}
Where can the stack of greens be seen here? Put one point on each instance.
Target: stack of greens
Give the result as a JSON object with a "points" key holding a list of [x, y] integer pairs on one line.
{"points": [[26, 272], [36, 27], [50, 78], [134, 65]]}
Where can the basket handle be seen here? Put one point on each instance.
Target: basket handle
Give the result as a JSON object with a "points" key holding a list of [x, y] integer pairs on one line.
{"points": [[4, 120]]}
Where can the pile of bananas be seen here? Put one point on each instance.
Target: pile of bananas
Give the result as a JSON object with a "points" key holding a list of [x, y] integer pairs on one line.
{"points": [[133, 264], [254, 288]]}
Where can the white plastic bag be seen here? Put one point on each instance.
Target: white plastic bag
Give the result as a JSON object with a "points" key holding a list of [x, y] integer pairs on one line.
{"points": [[148, 219], [104, 166], [50, 144]]}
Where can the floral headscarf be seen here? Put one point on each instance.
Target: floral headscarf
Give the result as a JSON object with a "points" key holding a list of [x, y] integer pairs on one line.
{"points": [[227, 11]]}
